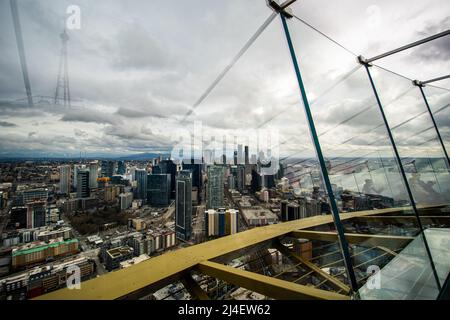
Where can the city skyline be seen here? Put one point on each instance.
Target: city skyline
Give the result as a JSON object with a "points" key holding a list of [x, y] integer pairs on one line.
{"points": [[253, 150]]}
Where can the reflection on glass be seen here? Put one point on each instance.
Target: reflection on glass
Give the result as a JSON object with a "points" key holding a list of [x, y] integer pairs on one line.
{"points": [[360, 159]]}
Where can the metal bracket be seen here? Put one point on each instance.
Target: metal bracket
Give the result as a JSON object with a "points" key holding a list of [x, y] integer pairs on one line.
{"points": [[282, 8], [418, 83], [361, 60]]}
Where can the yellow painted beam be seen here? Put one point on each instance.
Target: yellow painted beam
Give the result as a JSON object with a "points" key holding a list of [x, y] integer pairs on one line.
{"points": [[391, 252], [157, 271], [372, 240], [268, 286], [194, 288], [332, 280], [381, 218]]}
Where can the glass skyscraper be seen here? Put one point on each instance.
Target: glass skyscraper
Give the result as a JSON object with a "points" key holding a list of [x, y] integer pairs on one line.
{"points": [[183, 205], [215, 187], [167, 167], [158, 189], [141, 178], [83, 190]]}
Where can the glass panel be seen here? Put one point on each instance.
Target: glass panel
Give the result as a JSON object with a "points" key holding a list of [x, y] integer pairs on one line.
{"points": [[361, 161], [416, 138], [257, 105], [439, 101], [418, 145]]}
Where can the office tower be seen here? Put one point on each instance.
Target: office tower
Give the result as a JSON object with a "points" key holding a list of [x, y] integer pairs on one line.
{"points": [[74, 175], [246, 155], [108, 168], [83, 190], [235, 158], [233, 177], [158, 189], [64, 179], [280, 173], [215, 187], [240, 159], [141, 178], [240, 177], [290, 211], [255, 181], [125, 200], [293, 211], [221, 222], [231, 221], [197, 180], [231, 182], [19, 217], [183, 205], [36, 211], [121, 167], [283, 210], [28, 195], [168, 167], [93, 175], [268, 181]]}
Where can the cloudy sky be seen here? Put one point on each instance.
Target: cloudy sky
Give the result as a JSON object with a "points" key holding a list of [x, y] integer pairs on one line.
{"points": [[136, 68]]}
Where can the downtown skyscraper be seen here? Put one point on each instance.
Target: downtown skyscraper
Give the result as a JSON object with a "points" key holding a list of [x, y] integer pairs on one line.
{"points": [[141, 178], [64, 179], [183, 205], [215, 187], [83, 190]]}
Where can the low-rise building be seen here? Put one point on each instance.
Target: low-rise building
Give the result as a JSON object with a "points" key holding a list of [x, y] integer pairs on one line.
{"points": [[115, 256], [40, 251]]}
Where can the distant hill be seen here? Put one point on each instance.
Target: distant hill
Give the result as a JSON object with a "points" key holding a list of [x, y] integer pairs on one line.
{"points": [[142, 156], [44, 157]]}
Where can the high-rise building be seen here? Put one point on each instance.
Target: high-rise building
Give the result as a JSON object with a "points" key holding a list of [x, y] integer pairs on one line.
{"points": [[167, 167], [19, 217], [246, 155], [235, 158], [255, 181], [221, 222], [240, 159], [36, 211], [64, 179], [183, 205], [197, 180], [76, 167], [240, 177], [93, 175], [158, 189], [83, 190], [293, 211], [215, 187], [108, 168], [121, 167], [125, 200], [28, 195], [141, 178]]}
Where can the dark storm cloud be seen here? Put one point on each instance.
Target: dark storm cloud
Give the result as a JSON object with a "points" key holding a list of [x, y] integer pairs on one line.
{"points": [[7, 124], [90, 116], [438, 49]]}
